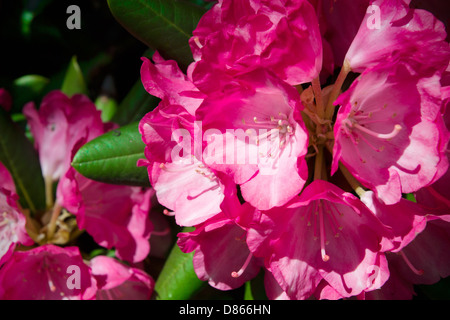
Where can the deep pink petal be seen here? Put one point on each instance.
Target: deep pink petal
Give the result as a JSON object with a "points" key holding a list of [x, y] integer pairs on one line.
{"points": [[47, 272], [396, 113], [58, 125], [116, 281], [340, 243], [220, 251]]}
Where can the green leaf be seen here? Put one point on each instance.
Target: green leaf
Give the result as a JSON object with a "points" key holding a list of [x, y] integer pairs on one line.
{"points": [[112, 157], [19, 156], [178, 280], [255, 289], [135, 105], [248, 295], [411, 197], [74, 81], [28, 88], [164, 25]]}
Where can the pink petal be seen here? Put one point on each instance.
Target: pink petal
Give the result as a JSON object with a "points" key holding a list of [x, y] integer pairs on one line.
{"points": [[220, 250], [58, 125], [47, 272], [297, 254], [115, 216], [395, 113], [117, 281], [12, 225], [259, 138], [413, 33], [165, 80]]}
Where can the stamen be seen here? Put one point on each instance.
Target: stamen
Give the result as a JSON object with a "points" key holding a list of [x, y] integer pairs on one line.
{"points": [[237, 274], [203, 191], [161, 233], [197, 42], [419, 272], [325, 257], [46, 265], [390, 135]]}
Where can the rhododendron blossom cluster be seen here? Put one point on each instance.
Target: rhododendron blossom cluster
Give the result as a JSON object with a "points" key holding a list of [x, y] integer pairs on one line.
{"points": [[292, 140], [284, 149], [47, 266]]}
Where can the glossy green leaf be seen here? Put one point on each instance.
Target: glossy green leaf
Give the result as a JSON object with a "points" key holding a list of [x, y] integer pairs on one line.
{"points": [[19, 156], [164, 25], [112, 157], [177, 280], [74, 80]]}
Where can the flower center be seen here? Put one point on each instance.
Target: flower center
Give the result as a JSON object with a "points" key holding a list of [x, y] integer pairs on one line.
{"points": [[272, 130], [357, 128]]}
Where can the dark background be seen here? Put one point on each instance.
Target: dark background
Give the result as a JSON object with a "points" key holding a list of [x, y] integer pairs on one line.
{"points": [[44, 46]]}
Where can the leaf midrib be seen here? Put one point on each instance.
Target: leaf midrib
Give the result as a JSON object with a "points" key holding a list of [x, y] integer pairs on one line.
{"points": [[163, 18], [74, 163]]}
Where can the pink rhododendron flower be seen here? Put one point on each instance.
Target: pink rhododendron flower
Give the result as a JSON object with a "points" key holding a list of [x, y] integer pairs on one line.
{"points": [[237, 36], [116, 281], [426, 258], [12, 220], [47, 272], [58, 125], [390, 110], [263, 116], [413, 33], [166, 131], [423, 261], [221, 255], [115, 216], [324, 234], [268, 144], [199, 190]]}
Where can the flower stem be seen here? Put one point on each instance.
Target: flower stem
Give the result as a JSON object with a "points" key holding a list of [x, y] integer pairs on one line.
{"points": [[318, 163], [352, 180], [48, 191], [345, 70], [52, 224], [318, 96]]}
